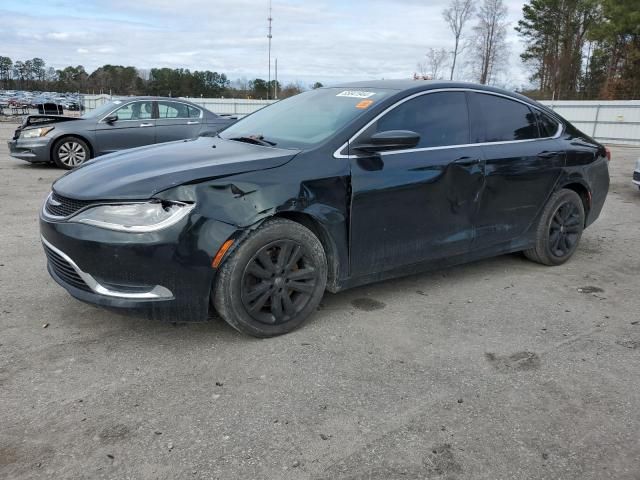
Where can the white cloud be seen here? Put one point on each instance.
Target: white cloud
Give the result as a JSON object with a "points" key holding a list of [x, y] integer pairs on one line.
{"points": [[322, 40]]}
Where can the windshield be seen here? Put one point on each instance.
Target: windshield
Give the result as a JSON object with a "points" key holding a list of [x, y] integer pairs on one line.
{"points": [[102, 109], [307, 119]]}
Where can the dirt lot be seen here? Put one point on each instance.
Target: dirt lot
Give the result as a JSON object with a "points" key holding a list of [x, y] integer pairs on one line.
{"points": [[502, 369]]}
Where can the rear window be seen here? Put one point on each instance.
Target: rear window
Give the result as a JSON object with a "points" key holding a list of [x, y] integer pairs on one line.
{"points": [[548, 126]]}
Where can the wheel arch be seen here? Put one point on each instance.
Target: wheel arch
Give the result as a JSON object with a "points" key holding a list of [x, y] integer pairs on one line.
{"points": [[583, 191], [331, 252], [72, 135]]}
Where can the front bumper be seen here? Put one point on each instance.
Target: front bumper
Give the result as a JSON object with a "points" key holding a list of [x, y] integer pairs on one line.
{"points": [[165, 274], [34, 150]]}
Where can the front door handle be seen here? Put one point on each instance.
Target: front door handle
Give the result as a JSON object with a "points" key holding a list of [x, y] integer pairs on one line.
{"points": [[146, 124], [466, 161], [546, 154], [192, 123]]}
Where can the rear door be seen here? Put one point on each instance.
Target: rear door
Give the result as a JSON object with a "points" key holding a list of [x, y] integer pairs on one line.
{"points": [[177, 121], [417, 204], [522, 165], [135, 127]]}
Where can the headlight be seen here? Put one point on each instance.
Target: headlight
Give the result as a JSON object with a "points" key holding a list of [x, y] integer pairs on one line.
{"points": [[35, 132], [134, 217]]}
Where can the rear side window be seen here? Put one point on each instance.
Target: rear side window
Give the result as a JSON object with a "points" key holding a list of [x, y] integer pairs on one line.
{"points": [[172, 110], [194, 112], [498, 119], [440, 118], [548, 126]]}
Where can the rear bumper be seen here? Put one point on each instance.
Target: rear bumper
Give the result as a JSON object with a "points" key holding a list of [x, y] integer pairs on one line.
{"points": [[35, 151]]}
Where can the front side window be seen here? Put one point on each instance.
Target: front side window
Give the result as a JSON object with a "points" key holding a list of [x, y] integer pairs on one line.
{"points": [[498, 119], [135, 111], [440, 119]]}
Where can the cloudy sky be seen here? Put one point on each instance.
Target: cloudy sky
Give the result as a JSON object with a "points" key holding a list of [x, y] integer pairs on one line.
{"points": [[324, 40]]}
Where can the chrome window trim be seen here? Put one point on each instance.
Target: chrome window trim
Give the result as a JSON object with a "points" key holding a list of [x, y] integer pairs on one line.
{"points": [[179, 118], [157, 292], [337, 153], [124, 105]]}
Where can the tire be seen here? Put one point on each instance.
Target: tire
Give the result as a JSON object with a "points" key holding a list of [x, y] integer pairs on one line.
{"points": [[273, 281], [70, 152], [559, 230]]}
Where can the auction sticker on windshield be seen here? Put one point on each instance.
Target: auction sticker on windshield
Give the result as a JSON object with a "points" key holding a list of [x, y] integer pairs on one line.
{"points": [[356, 94], [364, 104]]}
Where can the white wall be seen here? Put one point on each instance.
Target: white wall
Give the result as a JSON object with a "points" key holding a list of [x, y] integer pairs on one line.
{"points": [[614, 121]]}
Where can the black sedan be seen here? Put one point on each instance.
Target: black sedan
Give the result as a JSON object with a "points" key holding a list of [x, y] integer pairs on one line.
{"points": [[117, 125], [330, 189]]}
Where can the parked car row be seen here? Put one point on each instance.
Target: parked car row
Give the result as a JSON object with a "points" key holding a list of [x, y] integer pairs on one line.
{"points": [[326, 190], [33, 99], [131, 122]]}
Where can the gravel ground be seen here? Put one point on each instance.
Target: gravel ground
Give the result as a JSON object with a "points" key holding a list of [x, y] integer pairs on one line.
{"points": [[501, 369]]}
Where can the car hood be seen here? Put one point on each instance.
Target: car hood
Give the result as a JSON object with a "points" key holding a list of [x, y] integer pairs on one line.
{"points": [[142, 172]]}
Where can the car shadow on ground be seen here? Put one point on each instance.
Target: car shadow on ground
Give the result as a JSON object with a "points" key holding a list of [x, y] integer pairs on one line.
{"points": [[359, 300]]}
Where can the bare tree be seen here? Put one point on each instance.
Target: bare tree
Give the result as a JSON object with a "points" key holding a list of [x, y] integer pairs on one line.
{"points": [[435, 61], [456, 16], [489, 40]]}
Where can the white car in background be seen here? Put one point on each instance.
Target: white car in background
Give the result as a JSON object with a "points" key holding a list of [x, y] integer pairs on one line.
{"points": [[636, 174]]}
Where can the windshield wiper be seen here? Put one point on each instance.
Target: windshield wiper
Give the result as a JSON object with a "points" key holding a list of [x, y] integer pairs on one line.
{"points": [[255, 139]]}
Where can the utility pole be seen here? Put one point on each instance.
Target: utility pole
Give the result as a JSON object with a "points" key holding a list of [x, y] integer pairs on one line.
{"points": [[275, 87], [269, 36]]}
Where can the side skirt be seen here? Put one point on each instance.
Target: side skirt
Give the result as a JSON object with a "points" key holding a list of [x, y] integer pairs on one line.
{"points": [[421, 267]]}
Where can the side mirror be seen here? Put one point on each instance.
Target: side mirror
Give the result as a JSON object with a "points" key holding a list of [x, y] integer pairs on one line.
{"points": [[390, 140], [111, 119]]}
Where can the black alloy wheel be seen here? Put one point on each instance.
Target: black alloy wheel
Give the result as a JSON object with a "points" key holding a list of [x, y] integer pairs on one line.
{"points": [[559, 229], [565, 229], [278, 282], [272, 281]]}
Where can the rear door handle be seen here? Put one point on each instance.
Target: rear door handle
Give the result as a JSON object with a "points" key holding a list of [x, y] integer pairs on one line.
{"points": [[192, 123], [548, 154], [146, 124], [466, 161]]}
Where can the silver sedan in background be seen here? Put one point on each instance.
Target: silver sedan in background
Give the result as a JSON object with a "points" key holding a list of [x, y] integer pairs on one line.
{"points": [[636, 174], [120, 124]]}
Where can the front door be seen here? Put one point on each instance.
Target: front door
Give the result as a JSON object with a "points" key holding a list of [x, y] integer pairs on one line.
{"points": [[417, 204], [134, 127]]}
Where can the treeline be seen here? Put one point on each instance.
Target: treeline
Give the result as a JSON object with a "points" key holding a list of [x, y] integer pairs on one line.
{"points": [[582, 49], [33, 74]]}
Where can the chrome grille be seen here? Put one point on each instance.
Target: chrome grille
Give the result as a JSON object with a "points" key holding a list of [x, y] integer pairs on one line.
{"points": [[60, 206]]}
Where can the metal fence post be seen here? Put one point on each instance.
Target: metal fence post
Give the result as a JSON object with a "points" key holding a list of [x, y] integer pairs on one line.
{"points": [[595, 122]]}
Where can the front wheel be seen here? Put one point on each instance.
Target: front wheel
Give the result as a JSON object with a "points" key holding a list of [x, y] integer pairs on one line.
{"points": [[70, 152], [559, 230], [273, 281]]}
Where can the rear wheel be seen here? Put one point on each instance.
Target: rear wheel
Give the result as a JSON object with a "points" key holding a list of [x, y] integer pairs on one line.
{"points": [[70, 152], [560, 228], [273, 281]]}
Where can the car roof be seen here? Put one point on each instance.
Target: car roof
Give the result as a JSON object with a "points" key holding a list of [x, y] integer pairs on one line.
{"points": [[412, 86], [150, 97]]}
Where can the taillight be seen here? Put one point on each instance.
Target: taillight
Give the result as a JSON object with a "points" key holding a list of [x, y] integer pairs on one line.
{"points": [[607, 153]]}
